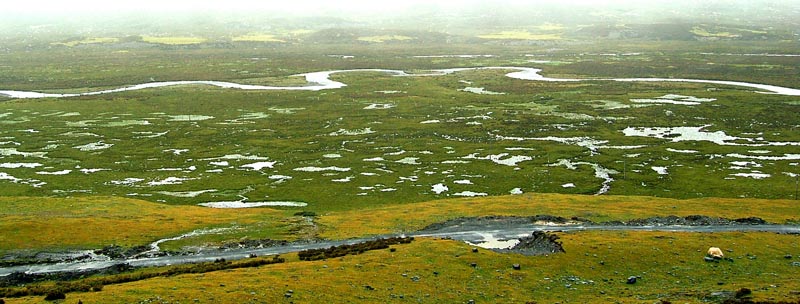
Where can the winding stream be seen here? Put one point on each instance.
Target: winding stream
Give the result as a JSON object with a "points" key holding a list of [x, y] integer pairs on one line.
{"points": [[321, 81]]}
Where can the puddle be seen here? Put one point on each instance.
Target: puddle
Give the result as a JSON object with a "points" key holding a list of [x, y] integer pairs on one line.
{"points": [[352, 132], [682, 151], [499, 158], [439, 188], [676, 100], [186, 194], [470, 194], [599, 172], [409, 161], [489, 241], [660, 170], [62, 172], [753, 175], [481, 91], [177, 151], [678, 134], [379, 106], [344, 180], [94, 146], [321, 169], [130, 181], [260, 165], [240, 204], [19, 165], [14, 151], [238, 157], [169, 181]]}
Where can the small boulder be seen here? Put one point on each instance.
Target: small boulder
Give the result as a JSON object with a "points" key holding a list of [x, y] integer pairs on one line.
{"points": [[631, 280], [788, 256], [516, 266], [709, 259], [473, 265], [474, 250], [715, 252]]}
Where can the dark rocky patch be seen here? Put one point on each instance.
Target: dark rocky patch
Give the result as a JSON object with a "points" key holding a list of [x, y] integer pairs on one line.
{"points": [[538, 243], [21, 278], [691, 220], [118, 252], [343, 250]]}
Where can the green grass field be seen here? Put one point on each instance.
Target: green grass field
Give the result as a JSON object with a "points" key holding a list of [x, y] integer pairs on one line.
{"points": [[389, 154]]}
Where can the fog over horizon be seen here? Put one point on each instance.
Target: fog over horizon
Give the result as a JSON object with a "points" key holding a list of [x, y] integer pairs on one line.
{"points": [[93, 17]]}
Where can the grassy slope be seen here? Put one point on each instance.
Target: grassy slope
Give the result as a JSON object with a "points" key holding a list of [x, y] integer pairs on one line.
{"points": [[594, 269], [411, 217], [50, 223]]}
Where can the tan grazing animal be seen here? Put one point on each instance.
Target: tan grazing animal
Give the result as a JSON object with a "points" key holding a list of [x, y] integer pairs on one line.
{"points": [[715, 252]]}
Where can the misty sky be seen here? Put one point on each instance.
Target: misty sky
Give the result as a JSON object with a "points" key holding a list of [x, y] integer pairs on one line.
{"points": [[55, 6]]}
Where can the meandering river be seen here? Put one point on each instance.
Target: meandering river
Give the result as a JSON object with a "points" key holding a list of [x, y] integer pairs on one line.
{"points": [[321, 81]]}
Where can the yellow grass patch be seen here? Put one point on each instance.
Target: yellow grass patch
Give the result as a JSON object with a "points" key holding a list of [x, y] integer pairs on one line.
{"points": [[411, 217], [175, 40], [300, 32], [593, 270], [520, 35], [550, 27], [699, 31], [88, 41], [42, 223], [384, 38], [257, 38]]}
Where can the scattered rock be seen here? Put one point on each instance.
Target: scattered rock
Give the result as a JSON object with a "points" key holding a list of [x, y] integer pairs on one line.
{"points": [[368, 287], [693, 220], [788, 256], [474, 265], [392, 249], [710, 259], [475, 250], [415, 278], [471, 302], [715, 252], [796, 264], [744, 292], [538, 243], [516, 267], [55, 295], [631, 280]]}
